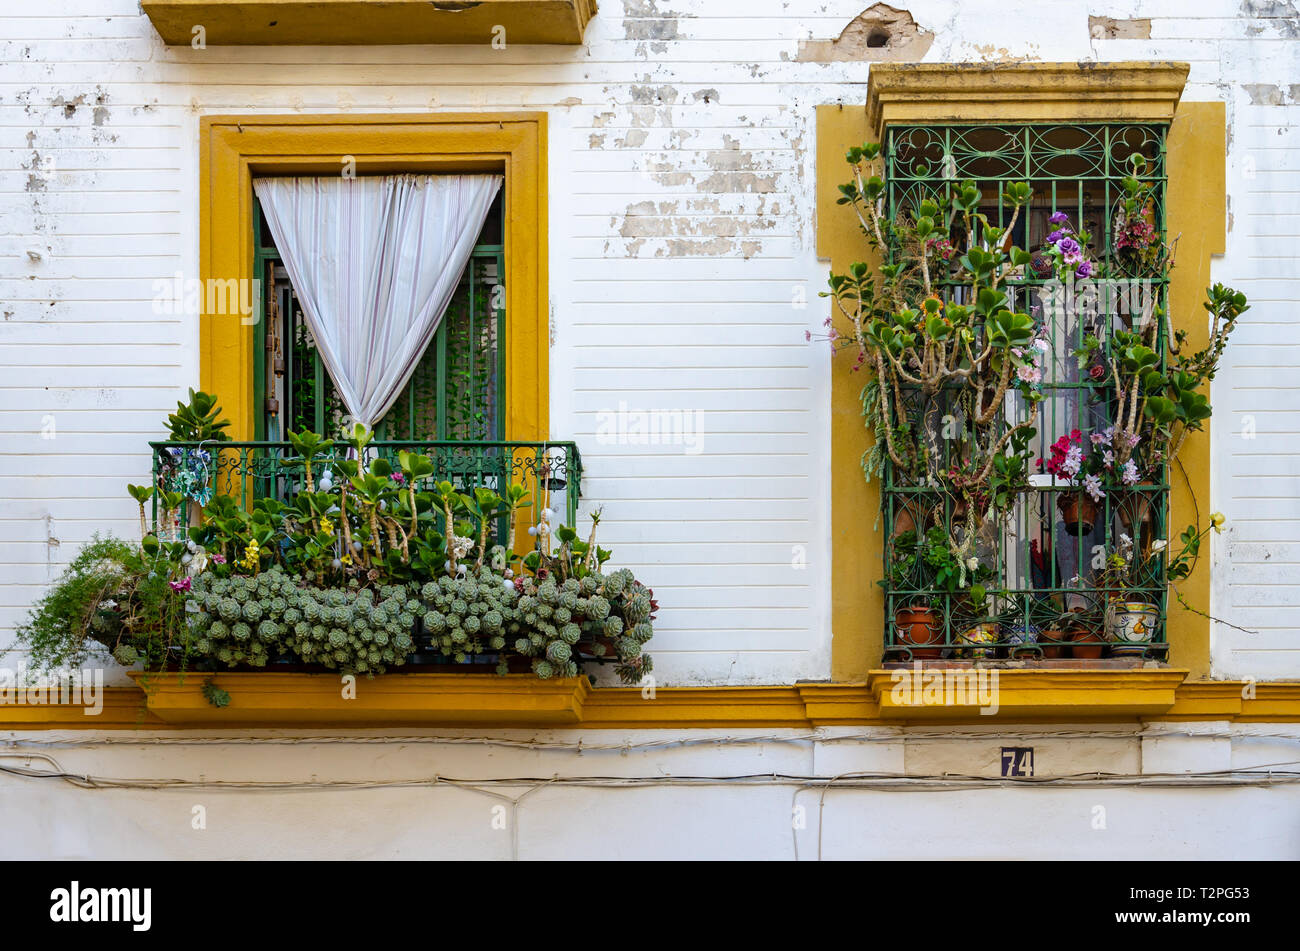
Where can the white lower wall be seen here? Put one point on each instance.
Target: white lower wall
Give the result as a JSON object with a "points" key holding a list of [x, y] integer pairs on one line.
{"points": [[639, 810]]}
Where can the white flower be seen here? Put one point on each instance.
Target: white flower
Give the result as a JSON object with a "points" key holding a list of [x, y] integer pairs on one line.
{"points": [[1159, 545], [972, 563]]}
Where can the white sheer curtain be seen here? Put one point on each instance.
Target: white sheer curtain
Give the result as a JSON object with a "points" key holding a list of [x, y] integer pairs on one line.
{"points": [[375, 261]]}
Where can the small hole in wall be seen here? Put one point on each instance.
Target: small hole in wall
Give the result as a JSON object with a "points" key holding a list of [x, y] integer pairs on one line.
{"points": [[877, 39]]}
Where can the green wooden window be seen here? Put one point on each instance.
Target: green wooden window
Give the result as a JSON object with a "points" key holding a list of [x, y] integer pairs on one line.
{"points": [[456, 392]]}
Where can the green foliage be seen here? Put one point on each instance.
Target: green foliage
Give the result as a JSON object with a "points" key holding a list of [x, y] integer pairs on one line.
{"points": [[199, 420], [471, 614], [214, 694], [252, 621], [113, 597], [610, 616]]}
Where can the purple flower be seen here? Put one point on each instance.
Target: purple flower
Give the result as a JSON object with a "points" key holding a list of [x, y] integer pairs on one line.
{"points": [[1068, 246], [218, 559], [1092, 485], [1129, 473], [1055, 236], [1085, 269], [1059, 218]]}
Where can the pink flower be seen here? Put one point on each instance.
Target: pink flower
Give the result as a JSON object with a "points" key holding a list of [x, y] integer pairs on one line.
{"points": [[218, 559], [178, 586], [1030, 374]]}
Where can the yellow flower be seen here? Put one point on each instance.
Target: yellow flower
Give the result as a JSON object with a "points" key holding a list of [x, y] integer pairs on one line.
{"points": [[1217, 520], [327, 526], [346, 559]]}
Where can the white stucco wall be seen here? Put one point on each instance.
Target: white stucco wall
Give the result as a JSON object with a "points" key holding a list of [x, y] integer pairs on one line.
{"points": [[681, 163], [638, 810], [682, 181]]}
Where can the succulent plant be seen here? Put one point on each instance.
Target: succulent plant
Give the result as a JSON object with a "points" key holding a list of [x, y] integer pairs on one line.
{"points": [[345, 629]]}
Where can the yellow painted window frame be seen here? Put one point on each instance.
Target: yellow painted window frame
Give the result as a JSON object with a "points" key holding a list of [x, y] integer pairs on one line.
{"points": [[1030, 92], [235, 148]]}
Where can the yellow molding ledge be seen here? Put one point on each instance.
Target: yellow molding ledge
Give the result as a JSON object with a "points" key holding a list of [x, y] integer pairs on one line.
{"points": [[269, 700], [368, 22], [1023, 92], [948, 694]]}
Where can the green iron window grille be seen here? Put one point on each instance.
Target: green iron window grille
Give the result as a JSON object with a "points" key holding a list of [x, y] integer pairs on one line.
{"points": [[247, 471], [1043, 565]]}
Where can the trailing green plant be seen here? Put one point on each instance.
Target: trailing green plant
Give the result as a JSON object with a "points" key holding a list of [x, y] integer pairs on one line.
{"points": [[114, 597]]}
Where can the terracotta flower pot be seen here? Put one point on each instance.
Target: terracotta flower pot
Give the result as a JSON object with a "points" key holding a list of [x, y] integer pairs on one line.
{"points": [[1052, 651], [1085, 643], [918, 628], [1137, 510], [1078, 512]]}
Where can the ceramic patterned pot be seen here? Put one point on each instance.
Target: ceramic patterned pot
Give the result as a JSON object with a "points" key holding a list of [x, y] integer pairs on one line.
{"points": [[981, 636], [1023, 641], [1130, 627]]}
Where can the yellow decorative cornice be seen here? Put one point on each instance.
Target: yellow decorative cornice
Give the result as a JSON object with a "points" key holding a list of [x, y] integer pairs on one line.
{"points": [[1023, 92], [368, 22], [266, 700]]}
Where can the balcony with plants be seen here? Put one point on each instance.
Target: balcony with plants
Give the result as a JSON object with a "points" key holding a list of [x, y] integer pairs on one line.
{"points": [[1027, 390], [348, 557]]}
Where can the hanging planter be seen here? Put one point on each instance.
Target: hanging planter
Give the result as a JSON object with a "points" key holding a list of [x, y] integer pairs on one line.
{"points": [[1078, 512], [920, 629]]}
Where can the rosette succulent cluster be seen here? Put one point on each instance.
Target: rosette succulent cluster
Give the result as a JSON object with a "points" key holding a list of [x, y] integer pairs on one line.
{"points": [[251, 620], [470, 614], [603, 615]]}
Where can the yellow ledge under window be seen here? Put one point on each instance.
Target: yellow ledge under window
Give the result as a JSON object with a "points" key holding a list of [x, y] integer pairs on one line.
{"points": [[368, 22], [270, 700]]}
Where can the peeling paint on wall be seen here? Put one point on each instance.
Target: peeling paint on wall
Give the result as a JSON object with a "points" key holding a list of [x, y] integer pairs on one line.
{"points": [[1112, 28], [878, 34]]}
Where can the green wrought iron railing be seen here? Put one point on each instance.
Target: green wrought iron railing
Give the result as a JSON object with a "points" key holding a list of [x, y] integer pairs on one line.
{"points": [[1052, 598], [551, 471]]}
